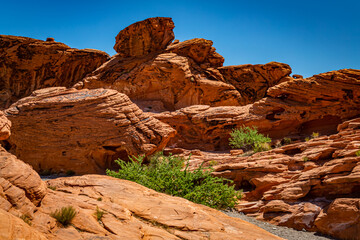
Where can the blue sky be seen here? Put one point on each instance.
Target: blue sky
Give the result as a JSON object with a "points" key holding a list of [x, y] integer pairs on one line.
{"points": [[311, 36]]}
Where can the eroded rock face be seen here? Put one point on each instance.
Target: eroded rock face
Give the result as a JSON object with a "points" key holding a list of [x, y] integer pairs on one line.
{"points": [[293, 108], [21, 188], [82, 131], [144, 37], [5, 126], [200, 50], [132, 211], [161, 82], [253, 81], [310, 185], [28, 64]]}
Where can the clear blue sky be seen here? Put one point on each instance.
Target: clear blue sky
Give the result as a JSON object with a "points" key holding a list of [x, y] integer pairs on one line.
{"points": [[311, 36]]}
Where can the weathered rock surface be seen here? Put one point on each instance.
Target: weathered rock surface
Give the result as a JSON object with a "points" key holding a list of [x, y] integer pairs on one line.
{"points": [[5, 126], [159, 76], [144, 37], [130, 211], [310, 185], [293, 108], [135, 212], [28, 64], [161, 82], [82, 131], [253, 81], [200, 50], [12, 227]]}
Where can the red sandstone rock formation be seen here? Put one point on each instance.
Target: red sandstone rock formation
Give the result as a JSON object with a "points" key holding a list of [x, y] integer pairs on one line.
{"points": [[82, 131], [28, 64], [144, 37], [131, 211], [160, 76], [253, 81], [310, 185], [298, 108]]}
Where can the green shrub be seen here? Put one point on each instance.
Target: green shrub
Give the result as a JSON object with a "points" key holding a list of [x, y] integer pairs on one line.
{"points": [[247, 138], [286, 140], [26, 218], [315, 135], [99, 199], [52, 187], [166, 174], [307, 139], [305, 159], [65, 215], [98, 214], [357, 153]]}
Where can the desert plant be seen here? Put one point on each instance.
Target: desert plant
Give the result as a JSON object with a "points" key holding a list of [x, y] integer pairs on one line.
{"points": [[307, 139], [213, 163], [286, 140], [65, 215], [315, 135], [98, 213], [170, 174], [305, 159], [357, 153], [26, 218], [52, 187], [248, 137], [99, 199]]}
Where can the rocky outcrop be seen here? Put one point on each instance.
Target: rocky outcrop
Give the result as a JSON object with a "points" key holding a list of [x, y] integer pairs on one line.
{"points": [[293, 108], [253, 81], [162, 82], [129, 210], [132, 211], [200, 50], [28, 64], [62, 130], [144, 37], [311, 185]]}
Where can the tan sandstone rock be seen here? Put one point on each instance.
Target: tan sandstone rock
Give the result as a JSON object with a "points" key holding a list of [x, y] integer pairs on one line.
{"points": [[82, 131], [28, 64]]}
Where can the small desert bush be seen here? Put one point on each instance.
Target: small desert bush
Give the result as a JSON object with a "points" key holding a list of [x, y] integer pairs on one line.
{"points": [[315, 135], [170, 174], [98, 213], [305, 159], [357, 153], [249, 138], [26, 218], [286, 140], [65, 215]]}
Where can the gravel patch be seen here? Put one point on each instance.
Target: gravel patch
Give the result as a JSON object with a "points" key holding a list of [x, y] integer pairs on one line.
{"points": [[284, 232]]}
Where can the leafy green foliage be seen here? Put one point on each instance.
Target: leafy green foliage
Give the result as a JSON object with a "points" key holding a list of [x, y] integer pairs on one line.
{"points": [[307, 139], [65, 215], [248, 137], [99, 199], [98, 214], [167, 174], [305, 159]]}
